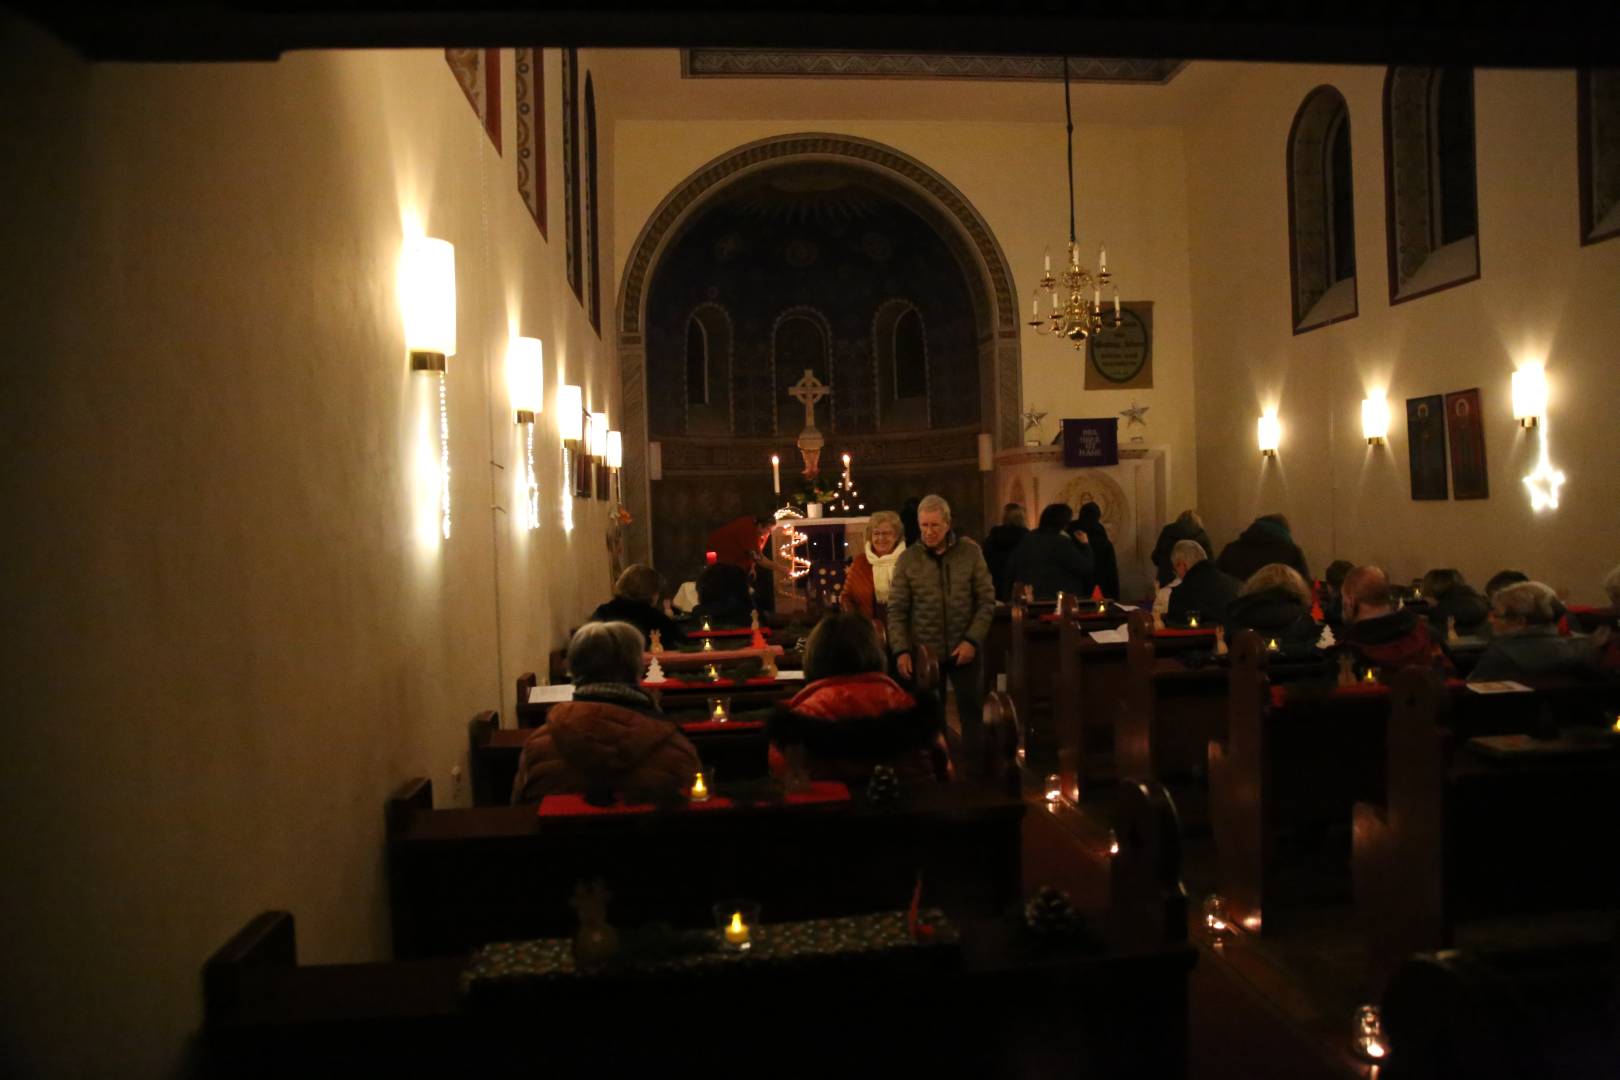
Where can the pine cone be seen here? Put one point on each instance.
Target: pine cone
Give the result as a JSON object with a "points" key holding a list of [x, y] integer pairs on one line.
{"points": [[1049, 913]]}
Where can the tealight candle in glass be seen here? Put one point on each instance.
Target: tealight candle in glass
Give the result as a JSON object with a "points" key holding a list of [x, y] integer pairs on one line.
{"points": [[737, 922], [708, 643], [700, 789], [706, 626], [719, 709], [1192, 620], [1271, 646], [711, 673], [1054, 788]]}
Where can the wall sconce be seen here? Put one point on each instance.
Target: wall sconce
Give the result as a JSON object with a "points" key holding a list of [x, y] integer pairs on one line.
{"points": [[571, 431], [1529, 395], [525, 382], [1375, 420], [427, 297], [1270, 434]]}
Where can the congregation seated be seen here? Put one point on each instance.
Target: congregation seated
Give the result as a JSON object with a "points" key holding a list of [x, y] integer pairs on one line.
{"points": [[1049, 561], [1202, 589], [611, 740], [1000, 543], [1526, 642], [1187, 526], [1453, 598], [1104, 564], [723, 596], [1267, 540], [636, 597], [1276, 604], [852, 717], [866, 585], [1378, 634]]}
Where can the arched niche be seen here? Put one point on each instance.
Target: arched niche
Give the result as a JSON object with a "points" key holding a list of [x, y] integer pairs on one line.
{"points": [[966, 241]]}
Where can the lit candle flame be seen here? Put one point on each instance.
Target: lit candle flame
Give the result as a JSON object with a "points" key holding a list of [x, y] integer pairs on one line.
{"points": [[700, 790], [1192, 622], [1271, 646]]}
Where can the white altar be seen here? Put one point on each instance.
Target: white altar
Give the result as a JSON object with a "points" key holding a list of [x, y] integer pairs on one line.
{"points": [[1133, 496], [790, 594]]}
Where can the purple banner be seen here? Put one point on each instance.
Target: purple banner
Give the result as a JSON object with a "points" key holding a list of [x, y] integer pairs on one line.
{"points": [[1088, 443]]}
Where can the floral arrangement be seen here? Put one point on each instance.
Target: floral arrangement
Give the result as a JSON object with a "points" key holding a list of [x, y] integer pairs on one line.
{"points": [[814, 489], [622, 515]]}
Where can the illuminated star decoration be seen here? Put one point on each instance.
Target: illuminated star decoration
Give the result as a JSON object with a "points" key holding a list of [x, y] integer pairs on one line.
{"points": [[1033, 418], [1545, 481], [1133, 415]]}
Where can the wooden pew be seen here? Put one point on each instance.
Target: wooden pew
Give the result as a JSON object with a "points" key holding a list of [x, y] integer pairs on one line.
{"points": [[1289, 757], [1111, 1003], [1505, 1015], [1461, 834], [1035, 676]]}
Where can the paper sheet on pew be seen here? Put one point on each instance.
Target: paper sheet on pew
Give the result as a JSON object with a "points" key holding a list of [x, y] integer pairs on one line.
{"points": [[1118, 636], [1504, 686], [551, 695]]}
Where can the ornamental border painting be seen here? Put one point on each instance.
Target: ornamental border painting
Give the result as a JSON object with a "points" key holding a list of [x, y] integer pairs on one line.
{"points": [[1465, 430], [478, 73], [530, 71], [1426, 445]]}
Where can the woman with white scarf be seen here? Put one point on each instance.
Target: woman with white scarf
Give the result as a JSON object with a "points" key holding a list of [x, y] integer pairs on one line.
{"points": [[866, 584]]}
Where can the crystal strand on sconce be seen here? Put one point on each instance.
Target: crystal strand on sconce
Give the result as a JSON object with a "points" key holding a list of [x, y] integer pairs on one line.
{"points": [[533, 483], [444, 456]]}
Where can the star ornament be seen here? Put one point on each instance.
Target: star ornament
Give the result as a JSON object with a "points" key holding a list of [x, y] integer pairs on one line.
{"points": [[1544, 484], [1134, 415], [1033, 418]]}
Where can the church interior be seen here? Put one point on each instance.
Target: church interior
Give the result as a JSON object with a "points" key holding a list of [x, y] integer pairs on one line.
{"points": [[351, 370]]}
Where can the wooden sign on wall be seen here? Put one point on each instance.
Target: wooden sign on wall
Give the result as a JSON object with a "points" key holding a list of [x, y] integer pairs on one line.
{"points": [[1122, 359]]}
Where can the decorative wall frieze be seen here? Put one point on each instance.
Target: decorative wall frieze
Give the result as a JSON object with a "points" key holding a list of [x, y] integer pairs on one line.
{"points": [[851, 64]]}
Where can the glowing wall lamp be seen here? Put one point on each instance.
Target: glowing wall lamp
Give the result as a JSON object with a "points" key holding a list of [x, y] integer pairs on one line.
{"points": [[1529, 395], [571, 430], [525, 380], [1270, 434], [1375, 420], [427, 294], [596, 448]]}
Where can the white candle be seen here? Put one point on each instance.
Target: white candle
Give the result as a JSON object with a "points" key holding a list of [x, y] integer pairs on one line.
{"points": [[1035, 306], [776, 475], [736, 932], [1102, 259], [1054, 301], [1048, 257], [1116, 307]]}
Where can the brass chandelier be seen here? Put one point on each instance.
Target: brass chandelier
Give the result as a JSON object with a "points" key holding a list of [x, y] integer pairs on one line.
{"points": [[1080, 314]]}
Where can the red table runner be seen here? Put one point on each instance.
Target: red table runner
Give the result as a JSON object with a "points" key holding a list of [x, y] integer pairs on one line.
{"points": [[705, 684], [744, 631], [553, 806], [1185, 631], [697, 726], [1279, 694]]}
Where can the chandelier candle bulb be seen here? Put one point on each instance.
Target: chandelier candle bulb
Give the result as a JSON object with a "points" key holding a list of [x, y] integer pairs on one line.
{"points": [[776, 475], [1048, 259], [1102, 259]]}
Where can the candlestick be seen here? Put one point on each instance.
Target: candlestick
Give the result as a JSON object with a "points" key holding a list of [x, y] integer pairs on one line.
{"points": [[700, 790], [776, 475], [736, 931]]}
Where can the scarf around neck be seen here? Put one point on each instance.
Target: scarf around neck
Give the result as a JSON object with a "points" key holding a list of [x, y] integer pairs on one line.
{"points": [[883, 569]]}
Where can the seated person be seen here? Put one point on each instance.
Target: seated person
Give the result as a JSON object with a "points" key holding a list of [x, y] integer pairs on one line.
{"points": [[1204, 588], [1049, 560], [1502, 579], [1451, 597], [1267, 540], [1275, 603], [1331, 593], [1380, 636], [611, 739], [723, 597], [852, 717], [866, 585], [636, 601], [1188, 526], [1525, 641]]}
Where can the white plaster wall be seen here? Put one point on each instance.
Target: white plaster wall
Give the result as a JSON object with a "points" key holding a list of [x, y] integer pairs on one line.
{"points": [[1541, 297], [228, 634], [1002, 146]]}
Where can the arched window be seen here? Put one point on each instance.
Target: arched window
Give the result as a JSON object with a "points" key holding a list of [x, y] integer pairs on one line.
{"points": [[1598, 120], [900, 346], [697, 363], [1431, 197], [593, 306], [1321, 212]]}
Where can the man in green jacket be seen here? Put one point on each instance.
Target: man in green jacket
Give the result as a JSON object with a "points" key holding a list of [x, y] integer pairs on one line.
{"points": [[942, 596]]}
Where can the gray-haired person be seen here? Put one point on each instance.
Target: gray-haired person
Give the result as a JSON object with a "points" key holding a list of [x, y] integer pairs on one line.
{"points": [[941, 596]]}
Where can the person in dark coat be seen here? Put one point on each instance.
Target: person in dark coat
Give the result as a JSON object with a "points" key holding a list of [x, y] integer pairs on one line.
{"points": [[1189, 526], [1526, 642], [1203, 589], [723, 597], [1104, 566], [1330, 594], [1378, 635], [636, 601], [1275, 603], [1049, 560], [1267, 540], [1001, 542], [1450, 597]]}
